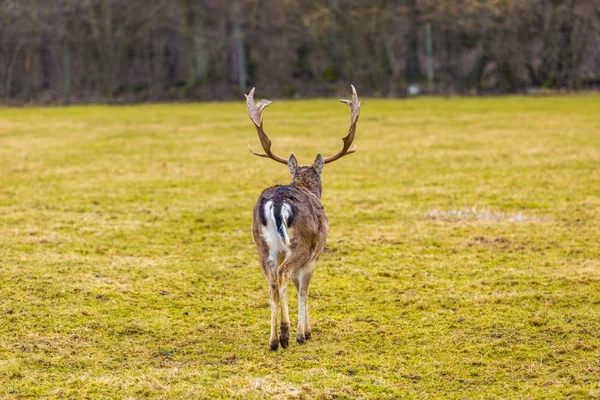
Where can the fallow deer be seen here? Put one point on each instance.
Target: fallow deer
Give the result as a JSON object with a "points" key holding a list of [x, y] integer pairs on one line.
{"points": [[289, 225]]}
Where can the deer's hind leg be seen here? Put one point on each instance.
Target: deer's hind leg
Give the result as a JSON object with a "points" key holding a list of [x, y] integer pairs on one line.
{"points": [[284, 336], [290, 268], [281, 288], [274, 300], [269, 271], [268, 265], [302, 283]]}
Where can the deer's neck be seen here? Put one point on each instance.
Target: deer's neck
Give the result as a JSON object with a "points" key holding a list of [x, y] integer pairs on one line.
{"points": [[314, 187]]}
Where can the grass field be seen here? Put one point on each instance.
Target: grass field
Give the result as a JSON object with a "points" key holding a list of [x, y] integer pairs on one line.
{"points": [[463, 258]]}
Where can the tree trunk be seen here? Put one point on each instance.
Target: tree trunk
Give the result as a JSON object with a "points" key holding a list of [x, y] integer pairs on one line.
{"points": [[29, 72], [334, 42], [478, 68], [239, 72], [45, 63], [413, 68], [196, 41], [67, 67], [105, 48], [11, 67], [394, 65]]}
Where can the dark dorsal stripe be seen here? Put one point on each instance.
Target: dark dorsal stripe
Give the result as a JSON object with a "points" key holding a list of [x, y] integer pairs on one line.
{"points": [[288, 195]]}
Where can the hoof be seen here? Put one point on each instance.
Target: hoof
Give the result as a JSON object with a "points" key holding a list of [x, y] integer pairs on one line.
{"points": [[300, 339], [274, 345], [284, 338], [307, 335]]}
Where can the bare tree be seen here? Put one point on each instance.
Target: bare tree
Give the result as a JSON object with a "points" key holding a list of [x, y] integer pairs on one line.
{"points": [[110, 50]]}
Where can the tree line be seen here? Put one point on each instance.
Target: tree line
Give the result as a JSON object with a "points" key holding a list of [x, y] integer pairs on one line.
{"points": [[64, 51]]}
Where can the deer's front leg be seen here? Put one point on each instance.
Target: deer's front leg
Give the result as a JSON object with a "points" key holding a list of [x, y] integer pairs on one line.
{"points": [[307, 329], [300, 337]]}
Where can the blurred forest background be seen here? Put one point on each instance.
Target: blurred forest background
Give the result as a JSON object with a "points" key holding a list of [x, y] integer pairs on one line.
{"points": [[74, 51]]}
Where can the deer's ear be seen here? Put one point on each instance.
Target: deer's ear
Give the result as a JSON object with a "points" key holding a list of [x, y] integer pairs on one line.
{"points": [[292, 164], [319, 164]]}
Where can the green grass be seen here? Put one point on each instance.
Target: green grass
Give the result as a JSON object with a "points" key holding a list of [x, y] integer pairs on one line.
{"points": [[463, 258]]}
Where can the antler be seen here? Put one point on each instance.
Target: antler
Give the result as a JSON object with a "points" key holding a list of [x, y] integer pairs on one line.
{"points": [[255, 112], [354, 113]]}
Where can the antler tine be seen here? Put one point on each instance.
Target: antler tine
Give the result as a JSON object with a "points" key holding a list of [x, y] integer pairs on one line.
{"points": [[354, 113], [255, 113]]}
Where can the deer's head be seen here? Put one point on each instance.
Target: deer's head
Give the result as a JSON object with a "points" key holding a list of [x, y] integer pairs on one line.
{"points": [[310, 175]]}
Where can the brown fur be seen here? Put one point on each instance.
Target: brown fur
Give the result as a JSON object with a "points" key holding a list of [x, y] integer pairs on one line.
{"points": [[307, 233]]}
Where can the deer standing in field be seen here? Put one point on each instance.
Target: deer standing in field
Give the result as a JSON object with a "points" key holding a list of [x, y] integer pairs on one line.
{"points": [[289, 225]]}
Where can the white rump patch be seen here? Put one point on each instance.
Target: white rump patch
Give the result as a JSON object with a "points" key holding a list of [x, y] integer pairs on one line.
{"points": [[277, 248]]}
